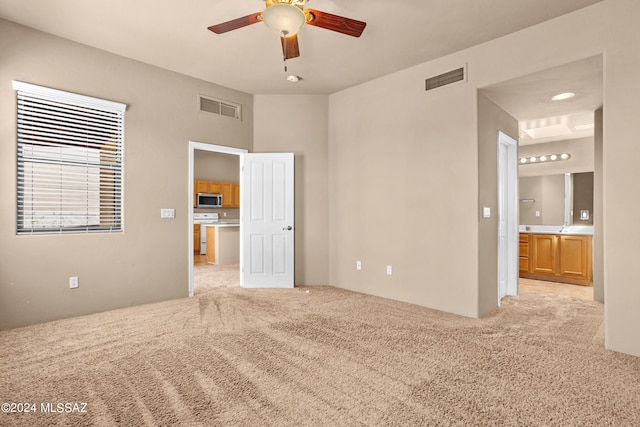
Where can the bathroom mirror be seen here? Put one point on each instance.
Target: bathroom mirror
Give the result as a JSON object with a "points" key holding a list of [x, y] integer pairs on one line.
{"points": [[559, 199]]}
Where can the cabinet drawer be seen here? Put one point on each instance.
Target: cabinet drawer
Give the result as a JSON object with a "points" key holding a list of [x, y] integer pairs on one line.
{"points": [[524, 249], [524, 238], [524, 264]]}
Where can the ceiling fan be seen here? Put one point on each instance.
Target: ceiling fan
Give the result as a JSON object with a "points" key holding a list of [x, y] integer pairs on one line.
{"points": [[286, 17]]}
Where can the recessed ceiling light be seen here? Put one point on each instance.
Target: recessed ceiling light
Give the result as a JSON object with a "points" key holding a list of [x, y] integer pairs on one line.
{"points": [[294, 79], [563, 96]]}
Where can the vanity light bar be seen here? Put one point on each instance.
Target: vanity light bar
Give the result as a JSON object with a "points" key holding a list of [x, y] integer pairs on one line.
{"points": [[545, 158]]}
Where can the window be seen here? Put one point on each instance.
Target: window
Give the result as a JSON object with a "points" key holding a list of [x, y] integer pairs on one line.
{"points": [[69, 162]]}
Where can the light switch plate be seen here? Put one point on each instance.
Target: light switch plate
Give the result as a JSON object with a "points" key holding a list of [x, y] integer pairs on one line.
{"points": [[167, 213], [486, 212]]}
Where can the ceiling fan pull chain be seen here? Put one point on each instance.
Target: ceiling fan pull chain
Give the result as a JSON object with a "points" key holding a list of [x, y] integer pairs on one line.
{"points": [[283, 34]]}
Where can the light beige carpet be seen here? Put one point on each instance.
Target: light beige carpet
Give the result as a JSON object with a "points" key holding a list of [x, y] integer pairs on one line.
{"points": [[321, 356]]}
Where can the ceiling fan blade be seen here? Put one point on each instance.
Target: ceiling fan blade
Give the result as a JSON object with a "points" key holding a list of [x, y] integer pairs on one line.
{"points": [[337, 23], [290, 48], [236, 23]]}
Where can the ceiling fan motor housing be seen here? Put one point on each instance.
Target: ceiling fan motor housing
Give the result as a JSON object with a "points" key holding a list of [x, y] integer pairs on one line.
{"points": [[297, 3]]}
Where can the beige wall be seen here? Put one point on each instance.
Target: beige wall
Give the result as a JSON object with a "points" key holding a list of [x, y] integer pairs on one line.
{"points": [[149, 260], [403, 168], [620, 168], [598, 238], [581, 150], [403, 179], [547, 191], [212, 166], [491, 119], [582, 191], [298, 124]]}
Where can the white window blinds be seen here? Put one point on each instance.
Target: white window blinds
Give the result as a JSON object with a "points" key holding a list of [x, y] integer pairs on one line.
{"points": [[69, 162]]}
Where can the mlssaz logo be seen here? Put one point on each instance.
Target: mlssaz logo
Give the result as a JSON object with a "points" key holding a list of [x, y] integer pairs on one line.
{"points": [[67, 408]]}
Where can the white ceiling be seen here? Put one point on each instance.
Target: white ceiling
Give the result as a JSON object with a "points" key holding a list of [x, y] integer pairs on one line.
{"points": [[528, 99], [173, 34]]}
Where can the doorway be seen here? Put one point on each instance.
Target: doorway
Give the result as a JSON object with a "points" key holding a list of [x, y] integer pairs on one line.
{"points": [[193, 146], [557, 110]]}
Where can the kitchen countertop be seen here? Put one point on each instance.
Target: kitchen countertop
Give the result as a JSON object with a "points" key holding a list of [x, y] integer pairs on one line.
{"points": [[223, 224], [581, 230]]}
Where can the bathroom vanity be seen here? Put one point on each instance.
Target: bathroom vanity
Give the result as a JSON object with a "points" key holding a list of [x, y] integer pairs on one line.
{"points": [[559, 257]]}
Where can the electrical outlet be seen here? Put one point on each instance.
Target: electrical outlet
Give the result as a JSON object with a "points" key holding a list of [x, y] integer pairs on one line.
{"points": [[73, 282], [358, 265], [389, 270]]}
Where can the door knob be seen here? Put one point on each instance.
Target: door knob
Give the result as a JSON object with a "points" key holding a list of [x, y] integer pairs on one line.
{"points": [[288, 228]]}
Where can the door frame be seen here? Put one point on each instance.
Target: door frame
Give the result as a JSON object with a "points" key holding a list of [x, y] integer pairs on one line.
{"points": [[508, 210], [193, 146]]}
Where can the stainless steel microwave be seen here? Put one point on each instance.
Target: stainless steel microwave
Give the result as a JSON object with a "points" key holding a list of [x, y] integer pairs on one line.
{"points": [[204, 200]]}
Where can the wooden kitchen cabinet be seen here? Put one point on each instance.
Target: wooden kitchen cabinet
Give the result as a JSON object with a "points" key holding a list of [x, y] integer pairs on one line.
{"points": [[236, 194], [230, 191], [227, 195], [556, 257], [211, 244], [201, 187], [196, 238]]}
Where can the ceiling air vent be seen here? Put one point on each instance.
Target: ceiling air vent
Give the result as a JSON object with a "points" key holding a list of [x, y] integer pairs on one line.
{"points": [[217, 106], [445, 79]]}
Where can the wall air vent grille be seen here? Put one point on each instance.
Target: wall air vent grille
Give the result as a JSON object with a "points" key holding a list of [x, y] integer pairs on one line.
{"points": [[222, 108], [445, 79]]}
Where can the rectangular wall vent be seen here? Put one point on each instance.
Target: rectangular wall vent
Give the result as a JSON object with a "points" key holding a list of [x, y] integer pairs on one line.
{"points": [[445, 79], [222, 108]]}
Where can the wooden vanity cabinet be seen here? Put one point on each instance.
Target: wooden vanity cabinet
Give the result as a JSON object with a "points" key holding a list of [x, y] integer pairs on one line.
{"points": [[575, 257], [544, 254], [524, 253], [556, 257]]}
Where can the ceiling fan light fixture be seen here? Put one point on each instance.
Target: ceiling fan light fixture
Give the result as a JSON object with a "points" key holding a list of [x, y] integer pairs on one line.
{"points": [[284, 19]]}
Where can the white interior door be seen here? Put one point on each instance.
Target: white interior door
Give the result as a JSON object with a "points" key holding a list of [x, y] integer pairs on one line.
{"points": [[266, 220], [507, 216]]}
